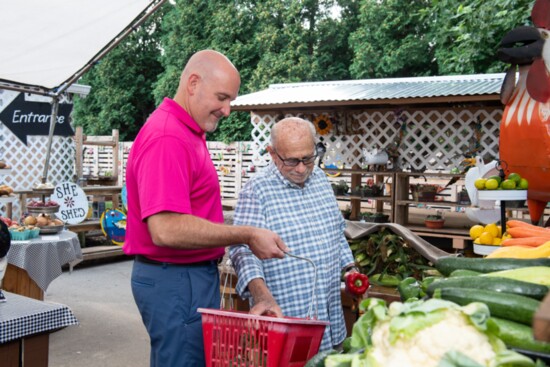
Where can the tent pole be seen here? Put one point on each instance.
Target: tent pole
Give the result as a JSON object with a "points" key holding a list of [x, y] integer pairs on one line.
{"points": [[53, 121]]}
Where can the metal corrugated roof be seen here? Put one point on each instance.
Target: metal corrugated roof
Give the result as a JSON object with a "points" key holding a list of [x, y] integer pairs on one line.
{"points": [[361, 91]]}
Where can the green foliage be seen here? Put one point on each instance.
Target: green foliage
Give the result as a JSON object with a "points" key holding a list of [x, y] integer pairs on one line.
{"points": [[281, 41], [121, 83], [466, 34], [391, 40]]}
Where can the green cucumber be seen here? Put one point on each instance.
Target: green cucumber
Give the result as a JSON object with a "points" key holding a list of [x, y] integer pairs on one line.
{"points": [[446, 265], [464, 273], [385, 280], [493, 284], [532, 274], [504, 305], [516, 335]]}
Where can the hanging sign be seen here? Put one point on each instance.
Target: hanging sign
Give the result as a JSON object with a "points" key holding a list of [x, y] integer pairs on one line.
{"points": [[24, 117], [73, 203]]}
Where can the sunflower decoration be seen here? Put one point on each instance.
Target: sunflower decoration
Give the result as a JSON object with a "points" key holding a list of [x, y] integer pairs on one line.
{"points": [[322, 123]]}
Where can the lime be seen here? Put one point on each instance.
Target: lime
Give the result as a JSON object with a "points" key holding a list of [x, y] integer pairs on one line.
{"points": [[480, 183], [508, 184], [495, 177], [476, 231], [491, 184], [523, 184], [514, 177], [492, 228], [486, 238]]}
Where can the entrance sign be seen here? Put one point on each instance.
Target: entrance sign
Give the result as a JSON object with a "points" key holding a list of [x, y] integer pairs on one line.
{"points": [[28, 116], [73, 203]]}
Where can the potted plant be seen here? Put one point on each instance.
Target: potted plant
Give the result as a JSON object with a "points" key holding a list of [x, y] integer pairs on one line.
{"points": [[434, 221], [424, 192], [346, 212], [357, 191], [341, 188]]}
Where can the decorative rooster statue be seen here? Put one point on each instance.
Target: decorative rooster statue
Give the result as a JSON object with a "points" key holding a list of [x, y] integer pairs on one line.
{"points": [[525, 125]]}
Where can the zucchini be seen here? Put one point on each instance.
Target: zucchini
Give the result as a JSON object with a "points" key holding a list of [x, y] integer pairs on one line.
{"points": [[503, 305], [493, 284], [516, 335], [385, 280], [533, 274], [464, 273], [446, 265]]}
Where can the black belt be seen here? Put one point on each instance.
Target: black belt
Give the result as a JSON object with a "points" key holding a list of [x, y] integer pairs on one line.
{"points": [[146, 260]]}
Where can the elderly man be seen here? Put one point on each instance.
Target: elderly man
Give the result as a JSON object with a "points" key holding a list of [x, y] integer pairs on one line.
{"points": [[293, 198], [175, 219]]}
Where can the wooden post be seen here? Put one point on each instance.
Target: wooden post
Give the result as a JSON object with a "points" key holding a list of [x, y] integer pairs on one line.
{"points": [[355, 203], [78, 140]]}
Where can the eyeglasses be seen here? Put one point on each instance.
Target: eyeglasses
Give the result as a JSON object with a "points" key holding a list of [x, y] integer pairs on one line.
{"points": [[293, 162]]}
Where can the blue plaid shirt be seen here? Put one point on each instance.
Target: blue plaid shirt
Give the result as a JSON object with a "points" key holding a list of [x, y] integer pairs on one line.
{"points": [[309, 221]]}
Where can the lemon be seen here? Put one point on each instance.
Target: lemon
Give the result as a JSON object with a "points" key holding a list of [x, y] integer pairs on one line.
{"points": [[523, 184], [480, 183], [492, 228], [491, 184], [499, 231], [497, 241], [514, 177], [486, 238], [508, 184], [476, 231]]}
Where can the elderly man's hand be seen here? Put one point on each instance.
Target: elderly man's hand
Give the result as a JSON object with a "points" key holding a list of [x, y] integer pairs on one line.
{"points": [[267, 307], [266, 244]]}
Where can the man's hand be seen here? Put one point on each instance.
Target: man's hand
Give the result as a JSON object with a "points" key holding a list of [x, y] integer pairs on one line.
{"points": [[266, 244], [267, 308], [264, 303]]}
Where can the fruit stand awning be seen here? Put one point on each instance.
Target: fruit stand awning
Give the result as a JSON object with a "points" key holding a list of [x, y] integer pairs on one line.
{"points": [[433, 89], [47, 44]]}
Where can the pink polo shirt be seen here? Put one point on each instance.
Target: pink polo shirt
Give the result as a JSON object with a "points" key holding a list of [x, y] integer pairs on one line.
{"points": [[169, 170]]}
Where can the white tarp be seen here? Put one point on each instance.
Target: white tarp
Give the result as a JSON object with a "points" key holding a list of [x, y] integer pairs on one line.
{"points": [[45, 42]]}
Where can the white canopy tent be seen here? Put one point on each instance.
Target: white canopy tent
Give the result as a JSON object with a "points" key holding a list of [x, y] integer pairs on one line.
{"points": [[47, 45]]}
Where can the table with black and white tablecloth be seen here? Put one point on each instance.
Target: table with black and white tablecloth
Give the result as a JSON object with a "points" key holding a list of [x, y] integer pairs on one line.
{"points": [[22, 316], [43, 257]]}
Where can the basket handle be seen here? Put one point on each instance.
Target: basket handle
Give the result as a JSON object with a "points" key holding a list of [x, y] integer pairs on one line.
{"points": [[313, 298]]}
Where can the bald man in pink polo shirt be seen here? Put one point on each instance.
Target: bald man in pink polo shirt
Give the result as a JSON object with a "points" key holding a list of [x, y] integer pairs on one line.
{"points": [[175, 221]]}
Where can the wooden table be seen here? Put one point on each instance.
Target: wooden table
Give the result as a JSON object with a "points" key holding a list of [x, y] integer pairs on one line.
{"points": [[25, 325], [34, 264]]}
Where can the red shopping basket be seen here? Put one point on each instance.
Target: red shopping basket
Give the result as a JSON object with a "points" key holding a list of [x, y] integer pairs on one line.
{"points": [[239, 339]]}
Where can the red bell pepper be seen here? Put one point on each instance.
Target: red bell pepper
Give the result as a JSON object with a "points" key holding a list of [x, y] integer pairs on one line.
{"points": [[357, 283]]}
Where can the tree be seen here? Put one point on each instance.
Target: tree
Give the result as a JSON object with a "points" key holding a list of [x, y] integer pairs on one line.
{"points": [[391, 40], [122, 82], [466, 34]]}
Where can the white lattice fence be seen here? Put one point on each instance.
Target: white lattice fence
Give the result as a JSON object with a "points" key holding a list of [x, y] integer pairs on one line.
{"points": [[233, 164], [97, 161], [429, 139], [27, 161]]}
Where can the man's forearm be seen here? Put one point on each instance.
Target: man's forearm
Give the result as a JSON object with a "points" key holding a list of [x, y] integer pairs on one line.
{"points": [[190, 232]]}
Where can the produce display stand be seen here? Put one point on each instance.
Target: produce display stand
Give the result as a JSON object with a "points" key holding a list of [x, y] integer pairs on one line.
{"points": [[503, 196]]}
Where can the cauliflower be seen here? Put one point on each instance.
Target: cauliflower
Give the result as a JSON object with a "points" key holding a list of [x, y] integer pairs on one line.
{"points": [[431, 333], [427, 346]]}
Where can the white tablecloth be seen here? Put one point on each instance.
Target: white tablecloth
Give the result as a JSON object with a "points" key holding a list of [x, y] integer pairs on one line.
{"points": [[44, 256], [22, 316]]}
